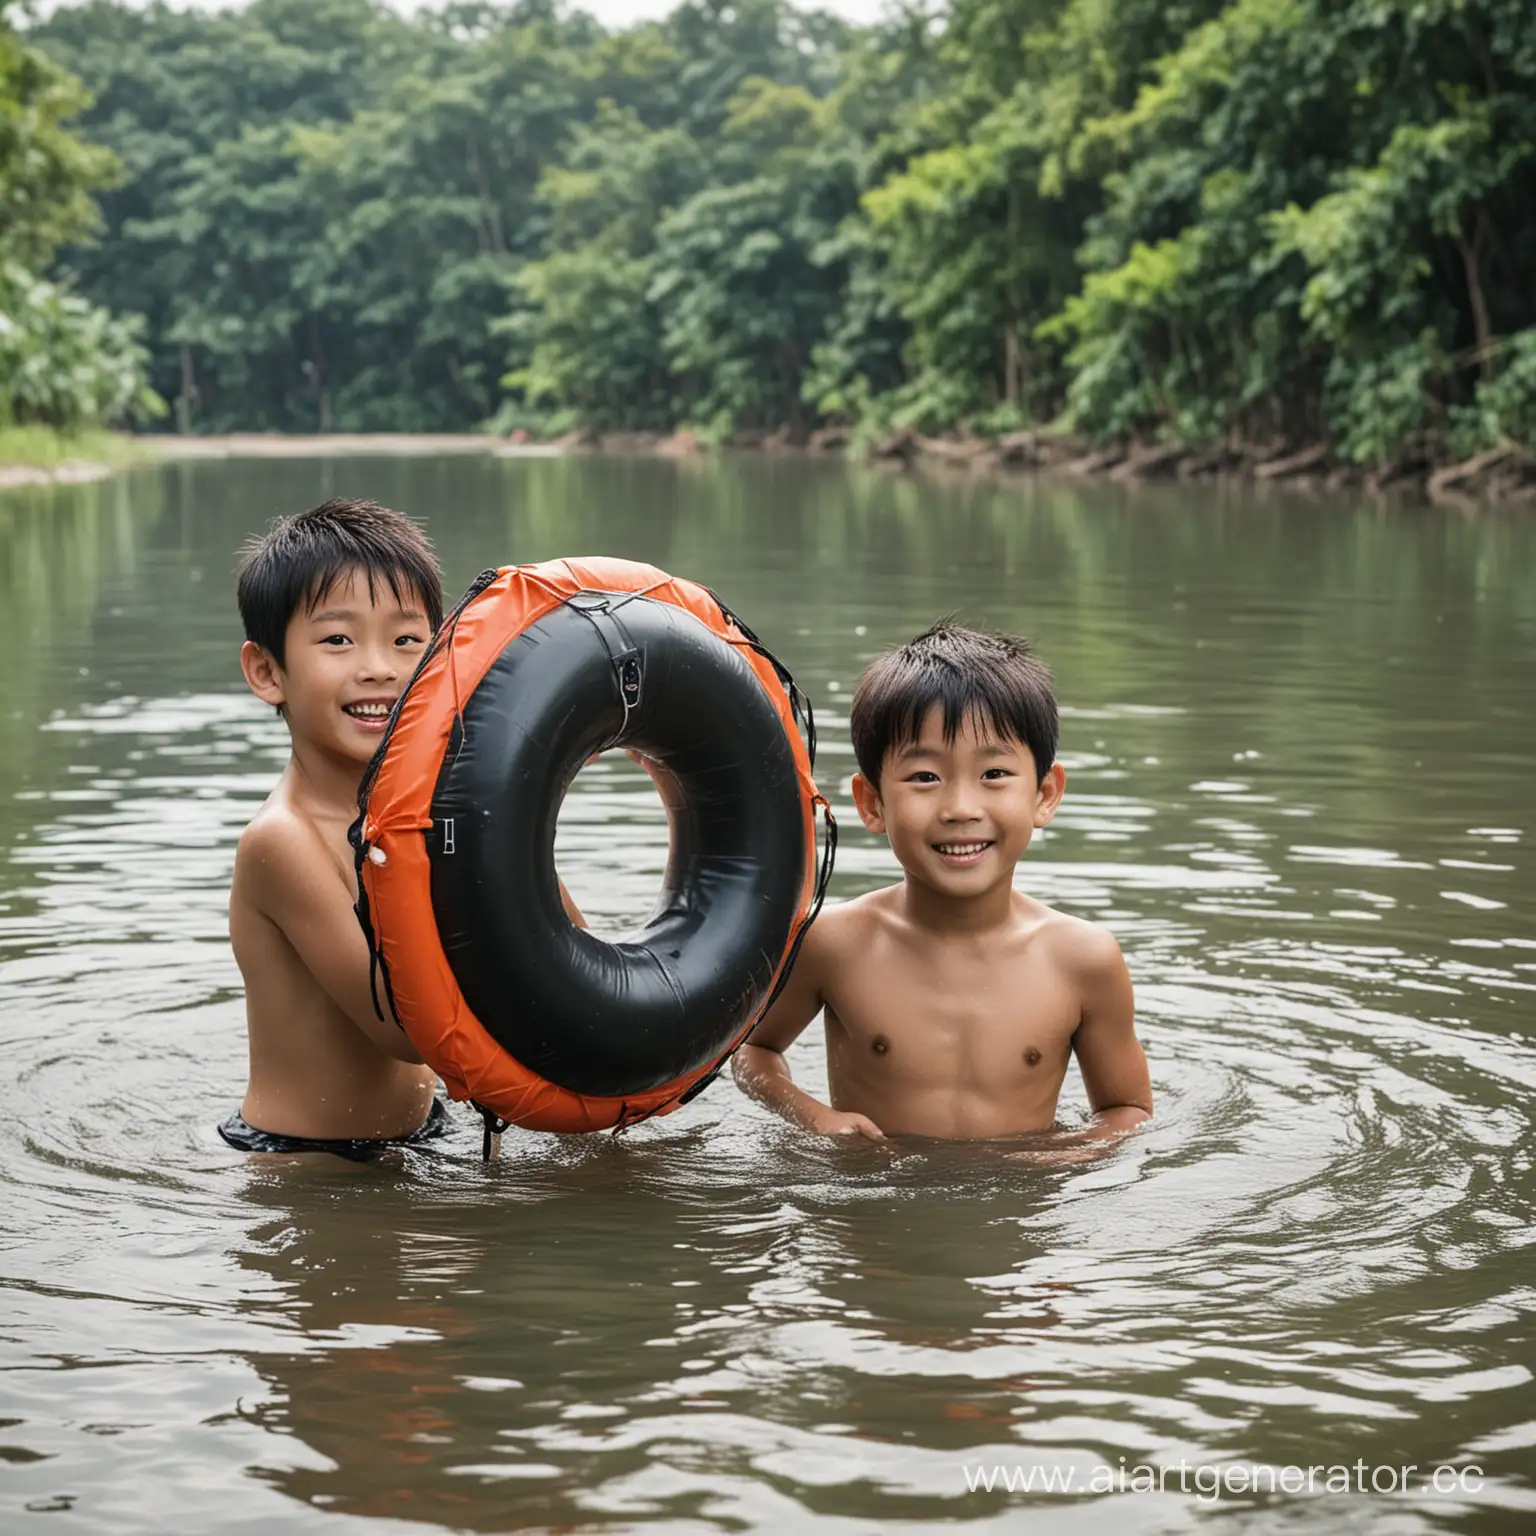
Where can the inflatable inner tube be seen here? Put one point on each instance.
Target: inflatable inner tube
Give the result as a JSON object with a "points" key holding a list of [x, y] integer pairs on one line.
{"points": [[539, 1022]]}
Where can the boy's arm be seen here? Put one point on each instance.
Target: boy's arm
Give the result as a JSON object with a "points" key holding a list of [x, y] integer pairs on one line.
{"points": [[762, 1073], [1109, 1055], [293, 881]]}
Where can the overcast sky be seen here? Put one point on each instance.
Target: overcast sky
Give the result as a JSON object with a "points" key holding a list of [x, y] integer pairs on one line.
{"points": [[612, 13], [618, 13]]}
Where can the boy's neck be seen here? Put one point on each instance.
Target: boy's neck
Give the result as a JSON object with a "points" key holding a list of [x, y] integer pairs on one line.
{"points": [[958, 915], [326, 782]]}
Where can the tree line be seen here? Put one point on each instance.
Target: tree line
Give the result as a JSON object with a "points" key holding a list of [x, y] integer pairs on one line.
{"points": [[63, 359], [1186, 222]]}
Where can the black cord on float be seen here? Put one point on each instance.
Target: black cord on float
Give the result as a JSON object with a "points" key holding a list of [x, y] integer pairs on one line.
{"points": [[490, 1146]]}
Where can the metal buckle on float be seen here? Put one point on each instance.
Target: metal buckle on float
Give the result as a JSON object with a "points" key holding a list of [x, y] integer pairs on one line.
{"points": [[600, 610]]}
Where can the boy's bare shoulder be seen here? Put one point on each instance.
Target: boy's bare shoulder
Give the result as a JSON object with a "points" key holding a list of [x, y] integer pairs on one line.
{"points": [[851, 923], [279, 847], [1084, 948]]}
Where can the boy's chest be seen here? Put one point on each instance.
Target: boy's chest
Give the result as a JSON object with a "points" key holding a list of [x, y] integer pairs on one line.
{"points": [[924, 1018]]}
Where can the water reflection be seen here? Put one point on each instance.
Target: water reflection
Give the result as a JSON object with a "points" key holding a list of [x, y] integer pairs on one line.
{"points": [[491, 1353], [1295, 740]]}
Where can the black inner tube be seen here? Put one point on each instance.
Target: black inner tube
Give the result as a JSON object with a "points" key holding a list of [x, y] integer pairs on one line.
{"points": [[599, 1018]]}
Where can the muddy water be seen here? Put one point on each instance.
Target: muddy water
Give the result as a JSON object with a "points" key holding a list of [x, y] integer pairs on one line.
{"points": [[1299, 741]]}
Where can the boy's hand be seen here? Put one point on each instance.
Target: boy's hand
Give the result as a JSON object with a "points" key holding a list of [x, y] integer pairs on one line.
{"points": [[842, 1122]]}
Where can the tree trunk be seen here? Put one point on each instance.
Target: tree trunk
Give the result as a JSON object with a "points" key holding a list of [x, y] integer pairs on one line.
{"points": [[489, 212], [186, 401], [1015, 305], [1012, 369], [317, 362], [1472, 260], [788, 368]]}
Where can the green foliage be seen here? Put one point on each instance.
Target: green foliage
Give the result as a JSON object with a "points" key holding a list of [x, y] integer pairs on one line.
{"points": [[734, 275], [982, 223], [585, 336], [47, 175], [597, 349], [1283, 221], [1503, 408], [1315, 226], [64, 362]]}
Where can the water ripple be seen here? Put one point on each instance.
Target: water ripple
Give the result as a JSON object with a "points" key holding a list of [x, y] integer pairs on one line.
{"points": [[1317, 1252]]}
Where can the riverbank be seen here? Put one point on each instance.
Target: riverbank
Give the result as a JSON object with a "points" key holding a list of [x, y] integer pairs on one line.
{"points": [[277, 445], [1503, 474], [35, 456], [42, 456]]}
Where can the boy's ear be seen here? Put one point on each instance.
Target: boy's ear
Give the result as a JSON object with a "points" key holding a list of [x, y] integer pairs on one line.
{"points": [[1052, 787], [263, 676], [866, 799]]}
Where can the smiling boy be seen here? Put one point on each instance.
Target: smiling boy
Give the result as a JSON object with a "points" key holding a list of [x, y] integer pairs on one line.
{"points": [[952, 1002], [338, 604]]}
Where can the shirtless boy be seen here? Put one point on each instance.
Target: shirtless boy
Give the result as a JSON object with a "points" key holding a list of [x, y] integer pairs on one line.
{"points": [[338, 603], [952, 1002]]}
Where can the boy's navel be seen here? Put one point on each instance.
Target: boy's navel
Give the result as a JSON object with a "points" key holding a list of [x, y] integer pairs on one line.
{"points": [[1032, 1056]]}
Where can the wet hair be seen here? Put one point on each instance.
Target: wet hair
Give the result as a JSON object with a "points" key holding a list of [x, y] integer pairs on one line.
{"points": [[966, 672], [300, 558]]}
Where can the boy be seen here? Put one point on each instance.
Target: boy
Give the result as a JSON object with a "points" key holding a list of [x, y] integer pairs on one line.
{"points": [[338, 604], [952, 1002]]}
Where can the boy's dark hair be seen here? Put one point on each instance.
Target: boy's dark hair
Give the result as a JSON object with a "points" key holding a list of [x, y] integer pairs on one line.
{"points": [[966, 672], [300, 558]]}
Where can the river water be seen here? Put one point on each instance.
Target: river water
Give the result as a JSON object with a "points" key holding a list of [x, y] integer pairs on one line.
{"points": [[1299, 741]]}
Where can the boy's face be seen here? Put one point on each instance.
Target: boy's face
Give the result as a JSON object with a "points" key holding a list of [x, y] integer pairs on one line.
{"points": [[959, 814], [344, 664]]}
